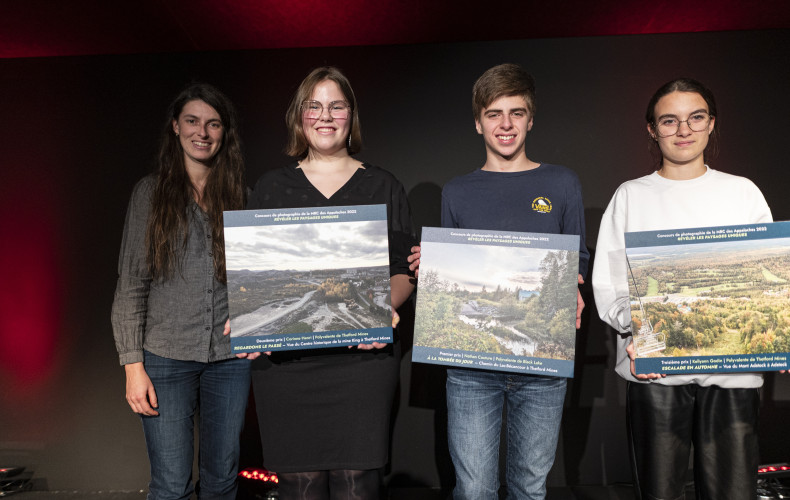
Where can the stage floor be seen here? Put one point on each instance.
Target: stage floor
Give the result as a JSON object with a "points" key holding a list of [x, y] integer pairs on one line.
{"points": [[567, 493]]}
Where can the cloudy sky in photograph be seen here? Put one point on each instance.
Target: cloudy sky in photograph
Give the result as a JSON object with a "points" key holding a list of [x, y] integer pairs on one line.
{"points": [[332, 245], [472, 266], [706, 249]]}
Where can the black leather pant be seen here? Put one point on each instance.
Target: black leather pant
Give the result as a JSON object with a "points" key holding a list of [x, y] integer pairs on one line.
{"points": [[663, 423], [338, 484]]}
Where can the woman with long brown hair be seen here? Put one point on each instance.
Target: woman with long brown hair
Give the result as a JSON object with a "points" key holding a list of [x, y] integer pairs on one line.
{"points": [[171, 304], [324, 413]]}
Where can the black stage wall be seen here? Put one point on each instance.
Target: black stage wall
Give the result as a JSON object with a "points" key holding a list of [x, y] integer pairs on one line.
{"points": [[79, 131]]}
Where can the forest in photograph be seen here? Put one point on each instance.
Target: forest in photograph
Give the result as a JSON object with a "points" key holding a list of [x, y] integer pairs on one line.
{"points": [[709, 300], [536, 320]]}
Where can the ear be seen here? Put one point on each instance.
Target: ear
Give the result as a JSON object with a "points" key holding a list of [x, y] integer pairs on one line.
{"points": [[711, 125], [529, 124], [175, 127], [651, 132], [478, 127]]}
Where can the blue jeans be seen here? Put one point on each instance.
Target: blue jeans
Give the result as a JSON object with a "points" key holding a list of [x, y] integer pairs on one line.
{"points": [[474, 406], [220, 390]]}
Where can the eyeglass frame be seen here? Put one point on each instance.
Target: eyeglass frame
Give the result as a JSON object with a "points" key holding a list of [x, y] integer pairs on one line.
{"points": [[656, 124], [328, 108]]}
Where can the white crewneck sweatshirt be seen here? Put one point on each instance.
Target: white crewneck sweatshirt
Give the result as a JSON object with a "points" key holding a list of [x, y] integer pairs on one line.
{"points": [[653, 203]]}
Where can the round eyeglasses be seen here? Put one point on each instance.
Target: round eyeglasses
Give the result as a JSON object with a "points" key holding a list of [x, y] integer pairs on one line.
{"points": [[338, 110], [669, 125]]}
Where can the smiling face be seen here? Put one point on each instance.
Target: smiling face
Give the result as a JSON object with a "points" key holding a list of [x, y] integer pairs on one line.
{"points": [[199, 131], [326, 135], [504, 125], [684, 149]]}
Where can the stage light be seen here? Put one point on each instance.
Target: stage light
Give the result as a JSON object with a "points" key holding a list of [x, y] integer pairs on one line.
{"points": [[257, 474], [10, 471], [774, 470], [771, 482], [257, 483], [13, 481]]}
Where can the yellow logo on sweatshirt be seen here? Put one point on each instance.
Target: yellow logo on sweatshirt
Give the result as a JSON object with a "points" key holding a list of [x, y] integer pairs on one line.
{"points": [[541, 204]]}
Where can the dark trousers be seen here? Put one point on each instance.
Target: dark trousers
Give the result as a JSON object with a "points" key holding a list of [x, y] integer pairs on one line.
{"points": [[663, 423]]}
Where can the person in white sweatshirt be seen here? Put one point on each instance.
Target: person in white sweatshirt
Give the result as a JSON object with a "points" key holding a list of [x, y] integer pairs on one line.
{"points": [[666, 414]]}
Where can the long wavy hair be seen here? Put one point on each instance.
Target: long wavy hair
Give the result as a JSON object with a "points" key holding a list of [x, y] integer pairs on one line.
{"points": [[168, 224]]}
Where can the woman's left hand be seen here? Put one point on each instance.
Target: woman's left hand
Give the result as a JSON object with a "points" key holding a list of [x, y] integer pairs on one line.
{"points": [[370, 347], [631, 351], [242, 355], [379, 345]]}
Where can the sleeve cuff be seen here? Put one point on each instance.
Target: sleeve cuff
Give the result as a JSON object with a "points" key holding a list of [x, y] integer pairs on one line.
{"points": [[131, 357]]}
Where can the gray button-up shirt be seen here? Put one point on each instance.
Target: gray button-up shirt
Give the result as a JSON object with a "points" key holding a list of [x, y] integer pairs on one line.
{"points": [[181, 317]]}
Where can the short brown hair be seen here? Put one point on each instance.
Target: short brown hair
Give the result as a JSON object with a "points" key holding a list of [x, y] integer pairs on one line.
{"points": [[502, 81], [297, 145]]}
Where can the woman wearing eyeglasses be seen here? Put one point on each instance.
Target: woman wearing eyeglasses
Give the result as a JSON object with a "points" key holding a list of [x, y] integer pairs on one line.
{"points": [[717, 413], [324, 413]]}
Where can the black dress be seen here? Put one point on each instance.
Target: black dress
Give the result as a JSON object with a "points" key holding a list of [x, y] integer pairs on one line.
{"points": [[325, 409]]}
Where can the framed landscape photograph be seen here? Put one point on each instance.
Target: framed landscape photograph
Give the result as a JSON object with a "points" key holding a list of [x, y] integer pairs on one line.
{"points": [[497, 300], [710, 299], [306, 278]]}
